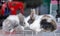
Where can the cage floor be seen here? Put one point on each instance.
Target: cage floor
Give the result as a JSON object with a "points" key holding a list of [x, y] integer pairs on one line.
{"points": [[31, 33]]}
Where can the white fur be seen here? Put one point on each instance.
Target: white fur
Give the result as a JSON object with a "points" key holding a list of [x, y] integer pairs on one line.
{"points": [[15, 21], [36, 24], [7, 23]]}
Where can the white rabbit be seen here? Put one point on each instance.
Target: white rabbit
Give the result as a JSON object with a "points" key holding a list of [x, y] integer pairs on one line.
{"points": [[44, 22], [14, 21]]}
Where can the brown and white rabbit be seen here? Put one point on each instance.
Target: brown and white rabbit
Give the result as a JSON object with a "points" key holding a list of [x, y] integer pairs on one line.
{"points": [[45, 23]]}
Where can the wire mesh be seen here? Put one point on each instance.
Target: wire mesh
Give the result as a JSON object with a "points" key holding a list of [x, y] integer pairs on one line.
{"points": [[32, 33]]}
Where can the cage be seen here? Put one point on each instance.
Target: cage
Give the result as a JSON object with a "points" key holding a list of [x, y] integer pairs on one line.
{"points": [[28, 32], [31, 33]]}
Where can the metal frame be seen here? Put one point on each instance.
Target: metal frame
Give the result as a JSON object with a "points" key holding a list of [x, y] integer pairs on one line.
{"points": [[24, 34]]}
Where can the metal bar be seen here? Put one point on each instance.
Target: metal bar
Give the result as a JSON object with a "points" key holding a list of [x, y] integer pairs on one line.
{"points": [[32, 33]]}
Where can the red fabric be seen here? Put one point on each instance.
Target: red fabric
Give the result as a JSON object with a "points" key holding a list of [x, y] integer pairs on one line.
{"points": [[3, 8], [18, 5]]}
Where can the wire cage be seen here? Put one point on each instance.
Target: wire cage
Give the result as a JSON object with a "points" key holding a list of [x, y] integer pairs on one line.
{"points": [[31, 33], [28, 32]]}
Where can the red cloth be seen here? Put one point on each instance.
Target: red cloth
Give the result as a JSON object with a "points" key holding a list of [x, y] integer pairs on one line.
{"points": [[3, 8], [13, 9], [14, 6]]}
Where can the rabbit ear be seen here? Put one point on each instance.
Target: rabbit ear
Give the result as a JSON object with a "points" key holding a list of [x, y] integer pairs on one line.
{"points": [[32, 13], [21, 19]]}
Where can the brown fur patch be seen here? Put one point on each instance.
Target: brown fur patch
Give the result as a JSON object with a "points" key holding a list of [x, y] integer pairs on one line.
{"points": [[46, 16], [54, 24]]}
